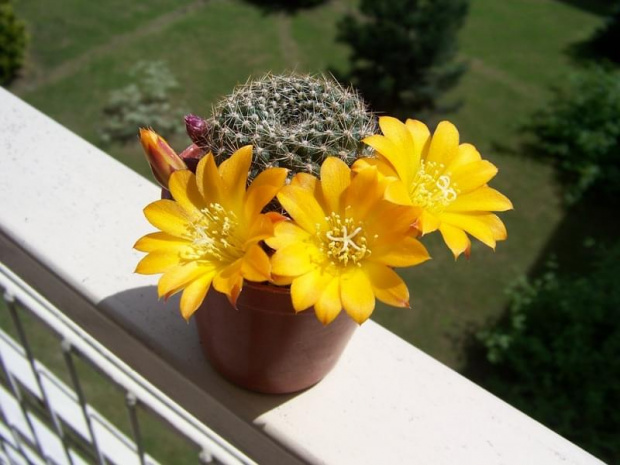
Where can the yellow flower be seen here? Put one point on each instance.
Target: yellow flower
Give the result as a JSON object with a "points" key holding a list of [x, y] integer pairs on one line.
{"points": [[345, 238], [447, 180], [210, 232]]}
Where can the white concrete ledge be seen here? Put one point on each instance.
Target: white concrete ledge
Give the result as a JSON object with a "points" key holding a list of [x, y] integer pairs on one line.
{"points": [[79, 212]]}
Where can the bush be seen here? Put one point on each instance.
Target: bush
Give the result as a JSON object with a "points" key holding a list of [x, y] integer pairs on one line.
{"points": [[403, 52], [13, 41], [143, 104], [606, 39], [579, 131], [557, 356]]}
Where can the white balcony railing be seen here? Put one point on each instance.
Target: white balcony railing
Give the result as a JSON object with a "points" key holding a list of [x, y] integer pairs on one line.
{"points": [[76, 212]]}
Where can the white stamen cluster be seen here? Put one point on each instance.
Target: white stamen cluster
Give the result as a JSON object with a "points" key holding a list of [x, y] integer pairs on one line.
{"points": [[214, 235], [345, 241], [431, 189]]}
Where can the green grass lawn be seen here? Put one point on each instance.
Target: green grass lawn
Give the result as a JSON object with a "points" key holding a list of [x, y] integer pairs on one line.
{"points": [[515, 51]]}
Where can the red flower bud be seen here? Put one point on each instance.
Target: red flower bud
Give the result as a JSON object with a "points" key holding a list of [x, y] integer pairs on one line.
{"points": [[163, 159]]}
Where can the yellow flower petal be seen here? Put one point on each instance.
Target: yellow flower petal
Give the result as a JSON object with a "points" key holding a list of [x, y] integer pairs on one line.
{"points": [[473, 175], [307, 288], [389, 152], [293, 260], [421, 140], [178, 277], [387, 286], [286, 233], [168, 216], [363, 193], [356, 294], [398, 193], [384, 168], [328, 305], [456, 240], [428, 222], [261, 228], [208, 180], [444, 144], [161, 240], [194, 294], [229, 281], [263, 189], [475, 224], [404, 252], [466, 154], [400, 136], [234, 174], [482, 199], [335, 178], [256, 265], [303, 207], [304, 180], [182, 186], [402, 220], [158, 261]]}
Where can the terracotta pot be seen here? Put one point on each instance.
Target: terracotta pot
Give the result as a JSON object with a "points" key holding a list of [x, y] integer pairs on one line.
{"points": [[263, 345]]}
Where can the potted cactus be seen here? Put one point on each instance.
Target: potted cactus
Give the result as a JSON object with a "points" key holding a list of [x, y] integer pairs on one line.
{"points": [[289, 207]]}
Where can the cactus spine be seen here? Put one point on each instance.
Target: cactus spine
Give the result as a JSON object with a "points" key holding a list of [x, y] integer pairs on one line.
{"points": [[293, 121]]}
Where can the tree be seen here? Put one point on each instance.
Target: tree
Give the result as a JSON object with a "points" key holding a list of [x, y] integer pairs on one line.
{"points": [[13, 41], [606, 39], [557, 357], [579, 132], [403, 52]]}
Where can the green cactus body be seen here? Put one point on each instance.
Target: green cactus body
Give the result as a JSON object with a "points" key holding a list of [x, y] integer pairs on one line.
{"points": [[293, 121]]}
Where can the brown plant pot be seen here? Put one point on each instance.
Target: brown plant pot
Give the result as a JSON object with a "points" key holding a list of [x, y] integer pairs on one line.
{"points": [[263, 345]]}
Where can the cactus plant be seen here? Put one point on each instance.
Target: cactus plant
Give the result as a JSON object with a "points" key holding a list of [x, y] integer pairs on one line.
{"points": [[293, 121]]}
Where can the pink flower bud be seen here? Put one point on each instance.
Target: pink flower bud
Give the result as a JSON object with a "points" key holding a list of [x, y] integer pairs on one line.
{"points": [[196, 129], [163, 159]]}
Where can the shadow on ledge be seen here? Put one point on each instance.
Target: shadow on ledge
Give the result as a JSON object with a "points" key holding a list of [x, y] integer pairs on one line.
{"points": [[159, 326]]}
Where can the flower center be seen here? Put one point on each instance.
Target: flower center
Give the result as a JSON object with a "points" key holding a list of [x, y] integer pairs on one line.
{"points": [[214, 235], [344, 242], [431, 189]]}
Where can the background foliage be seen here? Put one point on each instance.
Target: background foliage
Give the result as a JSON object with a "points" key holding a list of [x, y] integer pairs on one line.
{"points": [[143, 103], [404, 52], [556, 355], [579, 132], [13, 41]]}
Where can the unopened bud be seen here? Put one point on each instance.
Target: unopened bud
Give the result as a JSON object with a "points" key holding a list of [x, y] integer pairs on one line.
{"points": [[191, 156], [196, 129], [163, 159]]}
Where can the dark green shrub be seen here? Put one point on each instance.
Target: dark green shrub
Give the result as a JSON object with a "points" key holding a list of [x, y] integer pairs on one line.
{"points": [[145, 103], [557, 356], [579, 131], [13, 41], [606, 39], [404, 51]]}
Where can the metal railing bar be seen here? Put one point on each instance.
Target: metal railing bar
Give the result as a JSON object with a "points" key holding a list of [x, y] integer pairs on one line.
{"points": [[14, 433], [17, 394], [11, 304], [67, 353], [130, 402], [120, 373]]}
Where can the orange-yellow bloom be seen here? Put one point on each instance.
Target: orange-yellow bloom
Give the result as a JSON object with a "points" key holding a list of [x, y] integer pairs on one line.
{"points": [[446, 180], [161, 157], [210, 232], [345, 238]]}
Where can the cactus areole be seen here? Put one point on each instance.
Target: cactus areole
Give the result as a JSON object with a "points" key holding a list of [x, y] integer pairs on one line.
{"points": [[293, 121]]}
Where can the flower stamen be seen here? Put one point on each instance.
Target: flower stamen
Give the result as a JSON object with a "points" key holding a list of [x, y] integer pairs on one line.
{"points": [[345, 241], [431, 189], [214, 235]]}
